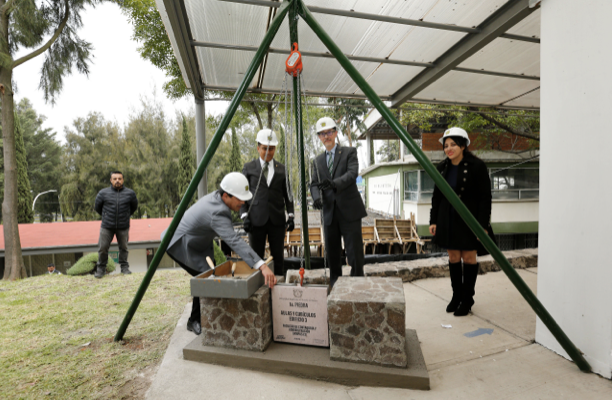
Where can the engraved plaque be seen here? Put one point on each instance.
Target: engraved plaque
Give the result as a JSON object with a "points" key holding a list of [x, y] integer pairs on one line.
{"points": [[299, 314]]}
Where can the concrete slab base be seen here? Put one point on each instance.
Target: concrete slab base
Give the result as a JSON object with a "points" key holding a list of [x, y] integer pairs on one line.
{"points": [[314, 363]]}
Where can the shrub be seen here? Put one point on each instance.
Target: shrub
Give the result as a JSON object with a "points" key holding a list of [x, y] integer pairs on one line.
{"points": [[219, 256], [86, 265]]}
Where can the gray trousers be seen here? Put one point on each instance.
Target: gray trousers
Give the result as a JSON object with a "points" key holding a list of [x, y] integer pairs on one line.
{"points": [[353, 244], [106, 237]]}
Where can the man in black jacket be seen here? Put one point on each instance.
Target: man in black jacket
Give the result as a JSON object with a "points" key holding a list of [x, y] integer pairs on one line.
{"points": [[264, 215], [115, 204]]}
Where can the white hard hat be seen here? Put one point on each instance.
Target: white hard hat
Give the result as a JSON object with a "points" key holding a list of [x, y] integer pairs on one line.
{"points": [[267, 137], [237, 185], [325, 123], [454, 131]]}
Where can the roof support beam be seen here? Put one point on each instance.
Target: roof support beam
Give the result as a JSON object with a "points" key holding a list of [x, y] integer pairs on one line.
{"points": [[196, 43], [177, 16], [385, 18], [310, 54], [503, 19], [360, 96]]}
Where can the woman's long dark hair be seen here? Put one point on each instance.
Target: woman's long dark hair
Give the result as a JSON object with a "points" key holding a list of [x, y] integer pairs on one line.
{"points": [[461, 142]]}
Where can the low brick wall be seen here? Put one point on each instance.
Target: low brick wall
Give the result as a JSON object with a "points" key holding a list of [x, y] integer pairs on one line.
{"points": [[367, 321], [238, 323], [423, 268]]}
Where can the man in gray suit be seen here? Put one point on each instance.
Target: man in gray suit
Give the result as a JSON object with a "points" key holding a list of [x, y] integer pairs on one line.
{"points": [[334, 189], [210, 217], [264, 215]]}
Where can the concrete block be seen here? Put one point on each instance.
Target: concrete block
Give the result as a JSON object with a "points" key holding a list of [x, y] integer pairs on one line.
{"points": [[238, 323], [367, 318]]}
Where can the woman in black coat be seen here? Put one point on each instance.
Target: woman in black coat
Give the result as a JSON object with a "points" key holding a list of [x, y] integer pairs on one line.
{"points": [[469, 178]]}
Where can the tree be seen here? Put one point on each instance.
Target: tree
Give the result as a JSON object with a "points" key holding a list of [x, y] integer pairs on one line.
{"points": [[389, 151], [43, 154], [90, 154], [149, 158], [48, 28], [349, 113], [24, 212], [235, 162], [186, 161]]}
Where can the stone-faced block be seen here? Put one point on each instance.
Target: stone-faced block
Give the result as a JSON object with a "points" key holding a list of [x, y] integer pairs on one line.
{"points": [[367, 321], [238, 323]]}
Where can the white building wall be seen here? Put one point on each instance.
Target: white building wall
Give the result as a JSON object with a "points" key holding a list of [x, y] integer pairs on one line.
{"points": [[380, 192], [574, 268], [515, 211], [506, 211]]}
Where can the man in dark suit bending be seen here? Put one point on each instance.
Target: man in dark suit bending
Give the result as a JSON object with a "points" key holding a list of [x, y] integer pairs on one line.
{"points": [[334, 189], [264, 216]]}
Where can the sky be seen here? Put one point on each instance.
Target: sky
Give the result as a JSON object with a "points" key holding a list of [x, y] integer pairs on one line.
{"points": [[117, 81]]}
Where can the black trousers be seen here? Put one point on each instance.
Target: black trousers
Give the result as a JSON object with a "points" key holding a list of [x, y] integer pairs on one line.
{"points": [[276, 237], [195, 308], [353, 244], [104, 242]]}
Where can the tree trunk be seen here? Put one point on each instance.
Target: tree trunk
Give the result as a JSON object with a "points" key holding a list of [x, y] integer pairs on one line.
{"points": [[348, 130], [13, 261], [254, 107]]}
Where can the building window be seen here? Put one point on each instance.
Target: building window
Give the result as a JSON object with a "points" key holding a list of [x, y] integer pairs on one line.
{"points": [[411, 186], [506, 184], [515, 184]]}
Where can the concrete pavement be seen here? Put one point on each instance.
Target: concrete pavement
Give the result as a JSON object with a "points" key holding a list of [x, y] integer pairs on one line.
{"points": [[489, 354]]}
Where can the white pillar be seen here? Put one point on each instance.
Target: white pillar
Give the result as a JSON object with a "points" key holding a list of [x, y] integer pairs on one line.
{"points": [[368, 150], [575, 268], [402, 150], [200, 127]]}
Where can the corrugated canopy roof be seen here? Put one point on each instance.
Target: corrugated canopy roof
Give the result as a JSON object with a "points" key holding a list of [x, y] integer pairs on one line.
{"points": [[479, 52]]}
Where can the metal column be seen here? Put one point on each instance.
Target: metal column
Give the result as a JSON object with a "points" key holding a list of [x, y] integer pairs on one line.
{"points": [[448, 192], [299, 130], [200, 128], [214, 143]]}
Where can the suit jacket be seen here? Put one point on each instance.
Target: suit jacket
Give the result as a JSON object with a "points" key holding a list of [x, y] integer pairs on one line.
{"points": [[344, 174], [193, 239], [270, 201]]}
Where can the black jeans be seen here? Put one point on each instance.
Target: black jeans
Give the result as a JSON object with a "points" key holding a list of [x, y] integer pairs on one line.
{"points": [[106, 237]]}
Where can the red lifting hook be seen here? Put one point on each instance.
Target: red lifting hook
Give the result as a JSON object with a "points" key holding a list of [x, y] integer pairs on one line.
{"points": [[294, 61], [302, 276]]}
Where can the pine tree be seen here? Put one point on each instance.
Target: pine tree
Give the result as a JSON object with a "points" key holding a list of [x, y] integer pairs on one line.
{"points": [[48, 28], [280, 149], [235, 159], [25, 215], [186, 162]]}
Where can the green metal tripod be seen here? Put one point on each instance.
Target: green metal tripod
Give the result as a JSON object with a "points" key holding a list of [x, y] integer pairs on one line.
{"points": [[295, 9]]}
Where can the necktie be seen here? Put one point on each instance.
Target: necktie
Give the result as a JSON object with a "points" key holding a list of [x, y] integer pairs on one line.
{"points": [[330, 162], [265, 171]]}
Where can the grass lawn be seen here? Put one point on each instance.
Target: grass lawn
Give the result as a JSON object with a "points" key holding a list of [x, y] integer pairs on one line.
{"points": [[56, 334]]}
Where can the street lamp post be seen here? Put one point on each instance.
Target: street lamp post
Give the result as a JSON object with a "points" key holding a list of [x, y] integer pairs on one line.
{"points": [[40, 194]]}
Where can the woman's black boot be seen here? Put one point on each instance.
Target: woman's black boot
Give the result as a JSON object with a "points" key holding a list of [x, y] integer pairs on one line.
{"points": [[456, 276], [470, 273]]}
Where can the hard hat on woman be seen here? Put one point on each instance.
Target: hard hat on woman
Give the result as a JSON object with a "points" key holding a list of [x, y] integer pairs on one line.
{"points": [[455, 132]]}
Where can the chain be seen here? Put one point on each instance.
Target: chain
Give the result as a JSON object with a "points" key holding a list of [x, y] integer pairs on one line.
{"points": [[318, 180]]}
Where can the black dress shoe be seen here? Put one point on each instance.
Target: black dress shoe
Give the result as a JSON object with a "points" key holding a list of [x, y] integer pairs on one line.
{"points": [[194, 326]]}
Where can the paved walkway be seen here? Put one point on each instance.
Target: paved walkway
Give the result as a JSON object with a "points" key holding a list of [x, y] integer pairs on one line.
{"points": [[503, 362]]}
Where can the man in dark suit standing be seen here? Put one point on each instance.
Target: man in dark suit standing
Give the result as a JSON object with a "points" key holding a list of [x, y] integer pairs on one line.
{"points": [[264, 216], [334, 189]]}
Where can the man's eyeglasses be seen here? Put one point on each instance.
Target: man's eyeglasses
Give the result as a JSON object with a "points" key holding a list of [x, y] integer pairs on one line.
{"points": [[326, 133]]}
